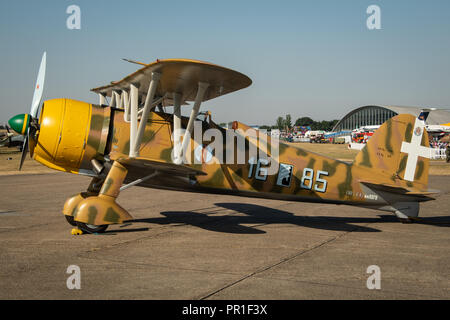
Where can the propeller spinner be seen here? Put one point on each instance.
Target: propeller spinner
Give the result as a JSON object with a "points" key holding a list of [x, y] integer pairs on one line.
{"points": [[27, 124]]}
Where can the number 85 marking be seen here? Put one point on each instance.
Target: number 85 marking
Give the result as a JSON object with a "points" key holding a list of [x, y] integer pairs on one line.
{"points": [[308, 176]]}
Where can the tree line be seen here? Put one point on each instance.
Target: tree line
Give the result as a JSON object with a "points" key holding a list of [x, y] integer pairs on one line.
{"points": [[287, 124]]}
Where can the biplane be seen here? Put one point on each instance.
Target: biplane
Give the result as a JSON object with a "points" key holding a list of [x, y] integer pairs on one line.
{"points": [[131, 139]]}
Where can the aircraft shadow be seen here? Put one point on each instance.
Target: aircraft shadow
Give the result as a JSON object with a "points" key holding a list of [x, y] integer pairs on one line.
{"points": [[114, 232], [443, 221], [257, 216]]}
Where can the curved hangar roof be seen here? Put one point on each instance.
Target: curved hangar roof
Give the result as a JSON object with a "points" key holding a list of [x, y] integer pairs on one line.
{"points": [[377, 115]]}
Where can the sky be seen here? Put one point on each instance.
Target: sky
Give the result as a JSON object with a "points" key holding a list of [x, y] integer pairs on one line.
{"points": [[314, 58]]}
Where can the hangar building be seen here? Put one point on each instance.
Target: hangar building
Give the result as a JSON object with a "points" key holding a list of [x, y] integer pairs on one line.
{"points": [[377, 115]]}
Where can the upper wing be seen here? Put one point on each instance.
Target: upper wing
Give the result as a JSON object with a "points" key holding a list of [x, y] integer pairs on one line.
{"points": [[181, 76]]}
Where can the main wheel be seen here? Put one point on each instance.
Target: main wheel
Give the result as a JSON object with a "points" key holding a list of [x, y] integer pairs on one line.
{"points": [[71, 220], [90, 228]]}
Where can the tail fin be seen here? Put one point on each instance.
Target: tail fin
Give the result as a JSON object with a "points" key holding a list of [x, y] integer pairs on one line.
{"points": [[399, 149]]}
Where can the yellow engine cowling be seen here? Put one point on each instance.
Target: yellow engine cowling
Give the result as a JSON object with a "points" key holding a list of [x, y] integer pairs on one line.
{"points": [[66, 127]]}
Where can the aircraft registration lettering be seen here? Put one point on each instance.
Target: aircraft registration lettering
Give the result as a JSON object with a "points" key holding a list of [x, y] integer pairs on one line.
{"points": [[307, 181], [371, 197], [260, 172], [361, 195], [308, 175], [285, 175]]}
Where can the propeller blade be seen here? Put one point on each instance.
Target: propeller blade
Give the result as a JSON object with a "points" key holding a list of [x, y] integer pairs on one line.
{"points": [[27, 124], [24, 152], [39, 88], [32, 141]]}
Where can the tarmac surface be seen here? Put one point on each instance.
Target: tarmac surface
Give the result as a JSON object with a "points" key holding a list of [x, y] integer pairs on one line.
{"points": [[199, 246]]}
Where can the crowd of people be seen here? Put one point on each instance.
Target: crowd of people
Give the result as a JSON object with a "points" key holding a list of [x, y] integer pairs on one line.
{"points": [[437, 144]]}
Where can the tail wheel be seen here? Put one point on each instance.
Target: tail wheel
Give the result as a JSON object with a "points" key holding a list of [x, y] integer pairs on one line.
{"points": [[90, 228], [71, 220]]}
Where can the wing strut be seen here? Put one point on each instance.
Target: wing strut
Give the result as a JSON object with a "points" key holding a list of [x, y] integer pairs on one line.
{"points": [[126, 106], [118, 99], [135, 182], [177, 128], [112, 102], [137, 133], [134, 98], [202, 87], [102, 99]]}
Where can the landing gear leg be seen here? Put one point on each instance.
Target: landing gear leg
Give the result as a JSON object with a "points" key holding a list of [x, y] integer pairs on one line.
{"points": [[95, 213], [72, 203]]}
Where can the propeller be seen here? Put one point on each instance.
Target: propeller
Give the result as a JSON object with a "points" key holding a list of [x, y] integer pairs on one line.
{"points": [[27, 124], [9, 134], [7, 129], [5, 136]]}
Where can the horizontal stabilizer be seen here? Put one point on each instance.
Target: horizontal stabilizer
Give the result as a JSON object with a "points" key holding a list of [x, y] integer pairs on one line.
{"points": [[398, 189]]}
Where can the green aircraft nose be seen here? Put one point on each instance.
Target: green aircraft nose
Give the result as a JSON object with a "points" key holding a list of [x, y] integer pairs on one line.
{"points": [[20, 123]]}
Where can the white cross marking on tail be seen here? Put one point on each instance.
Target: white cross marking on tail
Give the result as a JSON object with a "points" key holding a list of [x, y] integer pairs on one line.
{"points": [[415, 150]]}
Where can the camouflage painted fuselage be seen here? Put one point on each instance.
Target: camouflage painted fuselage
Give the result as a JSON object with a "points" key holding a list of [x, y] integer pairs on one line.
{"points": [[309, 177]]}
